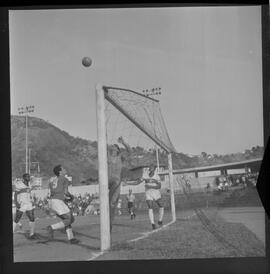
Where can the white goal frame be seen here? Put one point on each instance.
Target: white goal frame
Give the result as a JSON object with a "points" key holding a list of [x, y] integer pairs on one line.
{"points": [[105, 236]]}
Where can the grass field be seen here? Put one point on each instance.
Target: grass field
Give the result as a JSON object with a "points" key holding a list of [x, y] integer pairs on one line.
{"points": [[209, 237]]}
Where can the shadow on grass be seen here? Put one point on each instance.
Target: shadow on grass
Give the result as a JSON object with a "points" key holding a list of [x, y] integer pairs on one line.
{"points": [[123, 246], [42, 239], [86, 235], [81, 244]]}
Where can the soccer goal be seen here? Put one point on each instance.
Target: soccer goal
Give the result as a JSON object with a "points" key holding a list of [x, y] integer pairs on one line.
{"points": [[137, 119]]}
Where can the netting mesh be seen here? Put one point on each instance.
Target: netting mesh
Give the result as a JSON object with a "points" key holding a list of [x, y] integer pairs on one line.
{"points": [[141, 120]]}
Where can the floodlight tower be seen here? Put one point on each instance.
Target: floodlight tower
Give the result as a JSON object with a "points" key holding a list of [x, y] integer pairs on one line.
{"points": [[24, 111], [38, 166], [151, 92]]}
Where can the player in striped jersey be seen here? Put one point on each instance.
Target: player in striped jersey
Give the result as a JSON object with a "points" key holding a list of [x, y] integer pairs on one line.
{"points": [[152, 193], [24, 204]]}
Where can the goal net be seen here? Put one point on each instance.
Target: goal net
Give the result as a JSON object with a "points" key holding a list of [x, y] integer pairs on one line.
{"points": [[137, 120]]}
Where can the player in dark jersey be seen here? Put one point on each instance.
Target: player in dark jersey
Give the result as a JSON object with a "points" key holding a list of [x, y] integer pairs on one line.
{"points": [[59, 193]]}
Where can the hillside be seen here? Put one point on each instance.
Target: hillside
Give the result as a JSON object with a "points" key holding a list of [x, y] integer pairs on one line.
{"points": [[50, 146]]}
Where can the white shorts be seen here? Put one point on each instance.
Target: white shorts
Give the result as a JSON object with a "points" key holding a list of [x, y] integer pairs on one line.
{"points": [[152, 194], [58, 206], [26, 207], [24, 200]]}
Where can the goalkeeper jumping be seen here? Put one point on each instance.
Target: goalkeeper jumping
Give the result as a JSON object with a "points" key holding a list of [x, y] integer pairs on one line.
{"points": [[116, 160]]}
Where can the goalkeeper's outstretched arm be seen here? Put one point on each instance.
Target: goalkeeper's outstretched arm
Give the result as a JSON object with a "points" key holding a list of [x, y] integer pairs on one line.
{"points": [[126, 145], [156, 186], [133, 183]]}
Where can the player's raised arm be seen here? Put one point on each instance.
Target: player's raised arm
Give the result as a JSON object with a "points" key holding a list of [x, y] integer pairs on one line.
{"points": [[154, 184], [126, 152], [132, 183], [68, 195], [52, 184], [33, 187], [126, 145], [20, 187]]}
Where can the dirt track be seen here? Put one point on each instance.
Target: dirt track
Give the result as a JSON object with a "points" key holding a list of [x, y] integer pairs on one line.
{"points": [[252, 217]]}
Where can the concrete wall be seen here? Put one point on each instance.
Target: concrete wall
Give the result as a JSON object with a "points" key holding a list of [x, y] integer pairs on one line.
{"points": [[91, 189], [196, 184], [75, 190]]}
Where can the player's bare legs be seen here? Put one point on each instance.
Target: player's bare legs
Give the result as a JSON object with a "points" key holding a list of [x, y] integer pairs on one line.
{"points": [[131, 210], [18, 216], [31, 217], [131, 207], [114, 194], [161, 212], [151, 213], [66, 221]]}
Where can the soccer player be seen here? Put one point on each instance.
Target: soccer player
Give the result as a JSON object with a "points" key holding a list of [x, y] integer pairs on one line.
{"points": [[130, 204], [23, 201], [116, 160], [152, 192], [59, 193]]}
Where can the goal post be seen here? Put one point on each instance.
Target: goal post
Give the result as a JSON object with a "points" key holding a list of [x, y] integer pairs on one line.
{"points": [[136, 108], [171, 182], [105, 236]]}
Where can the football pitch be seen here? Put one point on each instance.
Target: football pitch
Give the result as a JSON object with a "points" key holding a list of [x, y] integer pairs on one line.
{"points": [[206, 234]]}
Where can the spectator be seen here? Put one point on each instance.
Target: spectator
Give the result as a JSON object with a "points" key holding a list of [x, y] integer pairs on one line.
{"points": [[208, 188], [119, 206], [93, 207], [226, 186], [244, 183], [220, 187]]}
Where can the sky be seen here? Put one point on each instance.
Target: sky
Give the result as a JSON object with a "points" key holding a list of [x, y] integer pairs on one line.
{"points": [[207, 61]]}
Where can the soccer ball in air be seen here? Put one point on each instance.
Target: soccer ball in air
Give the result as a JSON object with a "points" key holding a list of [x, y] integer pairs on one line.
{"points": [[87, 61]]}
